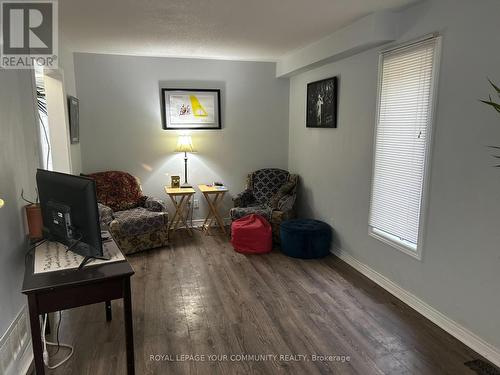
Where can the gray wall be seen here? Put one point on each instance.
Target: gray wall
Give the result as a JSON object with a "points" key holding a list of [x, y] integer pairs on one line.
{"points": [[18, 162], [66, 65], [459, 273], [120, 120]]}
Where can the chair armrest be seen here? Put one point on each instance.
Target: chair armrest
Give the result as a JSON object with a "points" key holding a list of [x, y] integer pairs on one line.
{"points": [[155, 205], [244, 199], [105, 215]]}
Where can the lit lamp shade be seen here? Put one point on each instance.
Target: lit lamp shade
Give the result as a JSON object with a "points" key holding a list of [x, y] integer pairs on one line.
{"points": [[185, 144]]}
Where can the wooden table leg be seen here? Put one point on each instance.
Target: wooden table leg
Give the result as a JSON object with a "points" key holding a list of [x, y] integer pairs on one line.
{"points": [[176, 206], [217, 215], [213, 213], [109, 314], [178, 211], [129, 327], [36, 337], [208, 219], [211, 216], [184, 217]]}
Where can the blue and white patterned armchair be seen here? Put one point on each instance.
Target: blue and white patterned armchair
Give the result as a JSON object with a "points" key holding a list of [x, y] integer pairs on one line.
{"points": [[269, 192]]}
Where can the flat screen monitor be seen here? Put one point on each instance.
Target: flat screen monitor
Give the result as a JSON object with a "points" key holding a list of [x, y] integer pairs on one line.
{"points": [[70, 213]]}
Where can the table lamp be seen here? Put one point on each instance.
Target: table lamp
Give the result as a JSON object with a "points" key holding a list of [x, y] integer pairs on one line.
{"points": [[185, 145]]}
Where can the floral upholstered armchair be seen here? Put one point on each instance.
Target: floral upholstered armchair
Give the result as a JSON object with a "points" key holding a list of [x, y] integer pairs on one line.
{"points": [[135, 221], [271, 193]]}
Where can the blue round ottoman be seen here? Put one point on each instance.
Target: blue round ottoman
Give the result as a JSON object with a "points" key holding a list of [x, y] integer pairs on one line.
{"points": [[305, 238]]}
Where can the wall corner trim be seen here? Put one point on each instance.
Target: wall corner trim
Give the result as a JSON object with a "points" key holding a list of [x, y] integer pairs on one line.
{"points": [[368, 32], [461, 333]]}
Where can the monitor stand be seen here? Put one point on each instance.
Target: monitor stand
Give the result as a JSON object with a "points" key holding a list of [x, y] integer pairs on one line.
{"points": [[86, 259], [90, 258]]}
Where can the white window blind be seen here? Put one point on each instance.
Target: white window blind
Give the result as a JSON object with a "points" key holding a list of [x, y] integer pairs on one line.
{"points": [[401, 143]]}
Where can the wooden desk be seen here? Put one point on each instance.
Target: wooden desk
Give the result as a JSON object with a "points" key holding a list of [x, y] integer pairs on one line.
{"points": [[181, 206], [213, 195], [60, 290]]}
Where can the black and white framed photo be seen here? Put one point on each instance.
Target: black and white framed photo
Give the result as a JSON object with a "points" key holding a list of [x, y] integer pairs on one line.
{"points": [[322, 104], [191, 108]]}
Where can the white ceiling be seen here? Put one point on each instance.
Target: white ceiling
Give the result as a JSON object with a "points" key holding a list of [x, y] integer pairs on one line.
{"points": [[228, 29]]}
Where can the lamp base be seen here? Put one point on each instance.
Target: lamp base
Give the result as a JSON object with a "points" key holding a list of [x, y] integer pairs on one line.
{"points": [[186, 185]]}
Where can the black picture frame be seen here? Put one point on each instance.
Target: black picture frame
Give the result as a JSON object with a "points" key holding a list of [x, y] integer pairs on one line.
{"points": [[173, 121], [74, 119], [321, 108]]}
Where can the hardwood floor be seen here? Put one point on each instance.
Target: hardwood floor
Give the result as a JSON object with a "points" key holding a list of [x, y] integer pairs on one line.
{"points": [[199, 297]]}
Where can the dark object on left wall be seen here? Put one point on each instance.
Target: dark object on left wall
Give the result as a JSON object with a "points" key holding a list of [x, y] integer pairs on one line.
{"points": [[74, 119]]}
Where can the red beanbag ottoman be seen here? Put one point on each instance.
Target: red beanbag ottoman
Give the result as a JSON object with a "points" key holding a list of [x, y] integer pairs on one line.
{"points": [[252, 234]]}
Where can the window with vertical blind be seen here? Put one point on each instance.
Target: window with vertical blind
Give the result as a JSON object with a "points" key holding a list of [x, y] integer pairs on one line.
{"points": [[402, 143]]}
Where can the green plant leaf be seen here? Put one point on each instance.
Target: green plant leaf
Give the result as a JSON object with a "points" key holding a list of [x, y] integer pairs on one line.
{"points": [[495, 87], [496, 106]]}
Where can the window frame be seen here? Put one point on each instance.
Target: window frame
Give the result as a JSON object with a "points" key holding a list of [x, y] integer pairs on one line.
{"points": [[378, 234], [42, 162]]}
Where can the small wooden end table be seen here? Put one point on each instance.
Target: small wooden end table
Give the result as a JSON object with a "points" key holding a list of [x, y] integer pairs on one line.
{"points": [[181, 205], [66, 289], [213, 195]]}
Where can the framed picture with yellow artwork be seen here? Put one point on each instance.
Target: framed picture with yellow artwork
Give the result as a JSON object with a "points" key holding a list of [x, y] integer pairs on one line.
{"points": [[190, 109]]}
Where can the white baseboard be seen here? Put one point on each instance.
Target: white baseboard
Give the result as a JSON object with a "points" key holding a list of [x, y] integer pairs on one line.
{"points": [[199, 222], [16, 354], [461, 333]]}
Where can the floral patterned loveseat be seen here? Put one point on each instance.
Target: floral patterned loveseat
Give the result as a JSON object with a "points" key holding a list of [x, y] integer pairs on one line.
{"points": [[271, 193], [135, 221]]}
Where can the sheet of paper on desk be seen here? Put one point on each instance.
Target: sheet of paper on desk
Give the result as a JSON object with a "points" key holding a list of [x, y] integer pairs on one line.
{"points": [[52, 256]]}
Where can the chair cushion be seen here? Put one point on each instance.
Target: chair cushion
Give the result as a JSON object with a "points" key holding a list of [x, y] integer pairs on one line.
{"points": [[239, 212], [156, 205], [118, 190], [139, 220], [251, 234], [283, 191], [266, 182]]}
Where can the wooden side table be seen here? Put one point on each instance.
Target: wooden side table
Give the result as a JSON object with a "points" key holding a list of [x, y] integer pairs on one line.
{"points": [[66, 289], [181, 206], [213, 195]]}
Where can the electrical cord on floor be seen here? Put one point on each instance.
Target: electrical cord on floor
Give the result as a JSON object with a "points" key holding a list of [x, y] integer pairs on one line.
{"points": [[58, 344], [57, 333]]}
